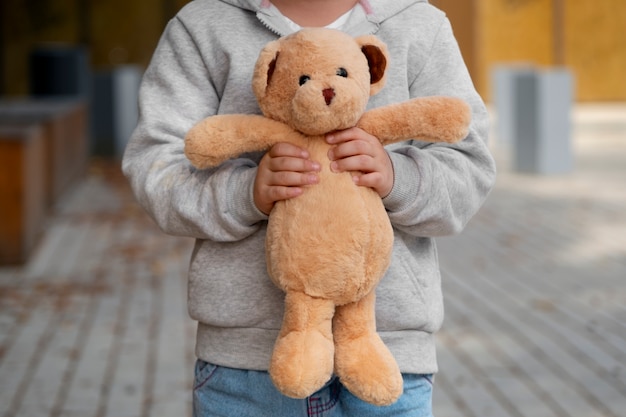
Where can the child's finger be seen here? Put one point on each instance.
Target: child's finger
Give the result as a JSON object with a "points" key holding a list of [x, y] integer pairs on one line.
{"points": [[292, 179], [278, 193], [295, 164], [347, 135], [373, 180], [287, 149], [364, 163], [351, 149]]}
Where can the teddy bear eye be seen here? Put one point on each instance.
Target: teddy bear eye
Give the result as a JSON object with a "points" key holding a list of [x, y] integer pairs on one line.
{"points": [[304, 78], [342, 72]]}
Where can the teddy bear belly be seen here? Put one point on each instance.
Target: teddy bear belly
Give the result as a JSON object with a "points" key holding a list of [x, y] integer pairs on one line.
{"points": [[333, 248]]}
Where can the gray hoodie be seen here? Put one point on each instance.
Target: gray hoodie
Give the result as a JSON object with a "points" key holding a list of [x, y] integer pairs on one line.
{"points": [[203, 66]]}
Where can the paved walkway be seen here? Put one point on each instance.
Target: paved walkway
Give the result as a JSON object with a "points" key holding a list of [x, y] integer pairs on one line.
{"points": [[96, 325], [536, 289]]}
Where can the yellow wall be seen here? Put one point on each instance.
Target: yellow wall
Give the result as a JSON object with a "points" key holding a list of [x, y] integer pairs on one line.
{"points": [[512, 31], [117, 40], [595, 46], [589, 37]]}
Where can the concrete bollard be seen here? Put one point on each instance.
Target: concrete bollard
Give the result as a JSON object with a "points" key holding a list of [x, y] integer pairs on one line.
{"points": [[542, 138], [534, 109], [115, 108], [503, 80]]}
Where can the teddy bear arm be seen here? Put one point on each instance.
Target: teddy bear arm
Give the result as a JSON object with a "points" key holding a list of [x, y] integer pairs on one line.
{"points": [[432, 119], [219, 138]]}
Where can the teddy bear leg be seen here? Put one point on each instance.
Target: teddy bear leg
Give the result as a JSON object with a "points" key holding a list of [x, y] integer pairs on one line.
{"points": [[302, 361], [363, 363]]}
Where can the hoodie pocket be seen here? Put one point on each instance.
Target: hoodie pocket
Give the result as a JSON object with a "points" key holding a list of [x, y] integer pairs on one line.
{"points": [[409, 295]]}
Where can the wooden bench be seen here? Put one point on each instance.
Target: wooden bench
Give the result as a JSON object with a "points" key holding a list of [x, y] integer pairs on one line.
{"points": [[22, 204], [43, 150], [65, 130]]}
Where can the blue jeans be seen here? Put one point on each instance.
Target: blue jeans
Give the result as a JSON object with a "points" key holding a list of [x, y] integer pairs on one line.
{"points": [[227, 392]]}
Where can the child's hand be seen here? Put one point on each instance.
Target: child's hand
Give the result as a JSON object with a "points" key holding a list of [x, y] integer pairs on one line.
{"points": [[283, 170], [357, 150]]}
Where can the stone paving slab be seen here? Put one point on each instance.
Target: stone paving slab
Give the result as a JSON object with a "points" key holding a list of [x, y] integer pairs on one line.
{"points": [[535, 292]]}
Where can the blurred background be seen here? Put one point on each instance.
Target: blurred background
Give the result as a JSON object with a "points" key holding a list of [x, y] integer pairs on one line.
{"points": [[93, 317], [585, 36]]}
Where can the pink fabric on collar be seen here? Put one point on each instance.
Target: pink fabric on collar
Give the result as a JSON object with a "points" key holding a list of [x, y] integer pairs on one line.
{"points": [[365, 4], [265, 4]]}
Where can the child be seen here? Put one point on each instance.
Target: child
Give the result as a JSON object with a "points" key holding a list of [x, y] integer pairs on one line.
{"points": [[203, 66]]}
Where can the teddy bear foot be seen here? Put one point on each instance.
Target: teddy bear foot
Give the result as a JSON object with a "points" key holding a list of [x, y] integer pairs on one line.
{"points": [[302, 363], [368, 370]]}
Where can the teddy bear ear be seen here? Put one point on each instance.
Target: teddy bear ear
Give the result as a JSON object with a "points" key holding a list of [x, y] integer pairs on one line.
{"points": [[377, 57], [264, 68]]}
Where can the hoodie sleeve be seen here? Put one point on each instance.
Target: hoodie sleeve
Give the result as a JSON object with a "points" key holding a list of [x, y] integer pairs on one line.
{"points": [[439, 187], [176, 92]]}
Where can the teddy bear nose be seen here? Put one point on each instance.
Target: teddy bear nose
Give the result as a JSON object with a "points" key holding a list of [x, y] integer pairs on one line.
{"points": [[329, 93]]}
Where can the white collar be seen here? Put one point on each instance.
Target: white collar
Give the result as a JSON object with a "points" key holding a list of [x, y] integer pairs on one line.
{"points": [[337, 24]]}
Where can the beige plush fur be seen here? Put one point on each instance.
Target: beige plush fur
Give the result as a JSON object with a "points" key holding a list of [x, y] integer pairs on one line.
{"points": [[328, 248]]}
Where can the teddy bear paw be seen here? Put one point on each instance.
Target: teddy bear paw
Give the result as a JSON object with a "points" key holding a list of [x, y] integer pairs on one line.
{"points": [[302, 363], [368, 370]]}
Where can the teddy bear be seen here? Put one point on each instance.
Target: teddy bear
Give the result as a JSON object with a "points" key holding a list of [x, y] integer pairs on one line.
{"points": [[329, 247]]}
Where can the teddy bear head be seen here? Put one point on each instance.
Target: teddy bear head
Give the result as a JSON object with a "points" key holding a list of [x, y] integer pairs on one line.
{"points": [[319, 80]]}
